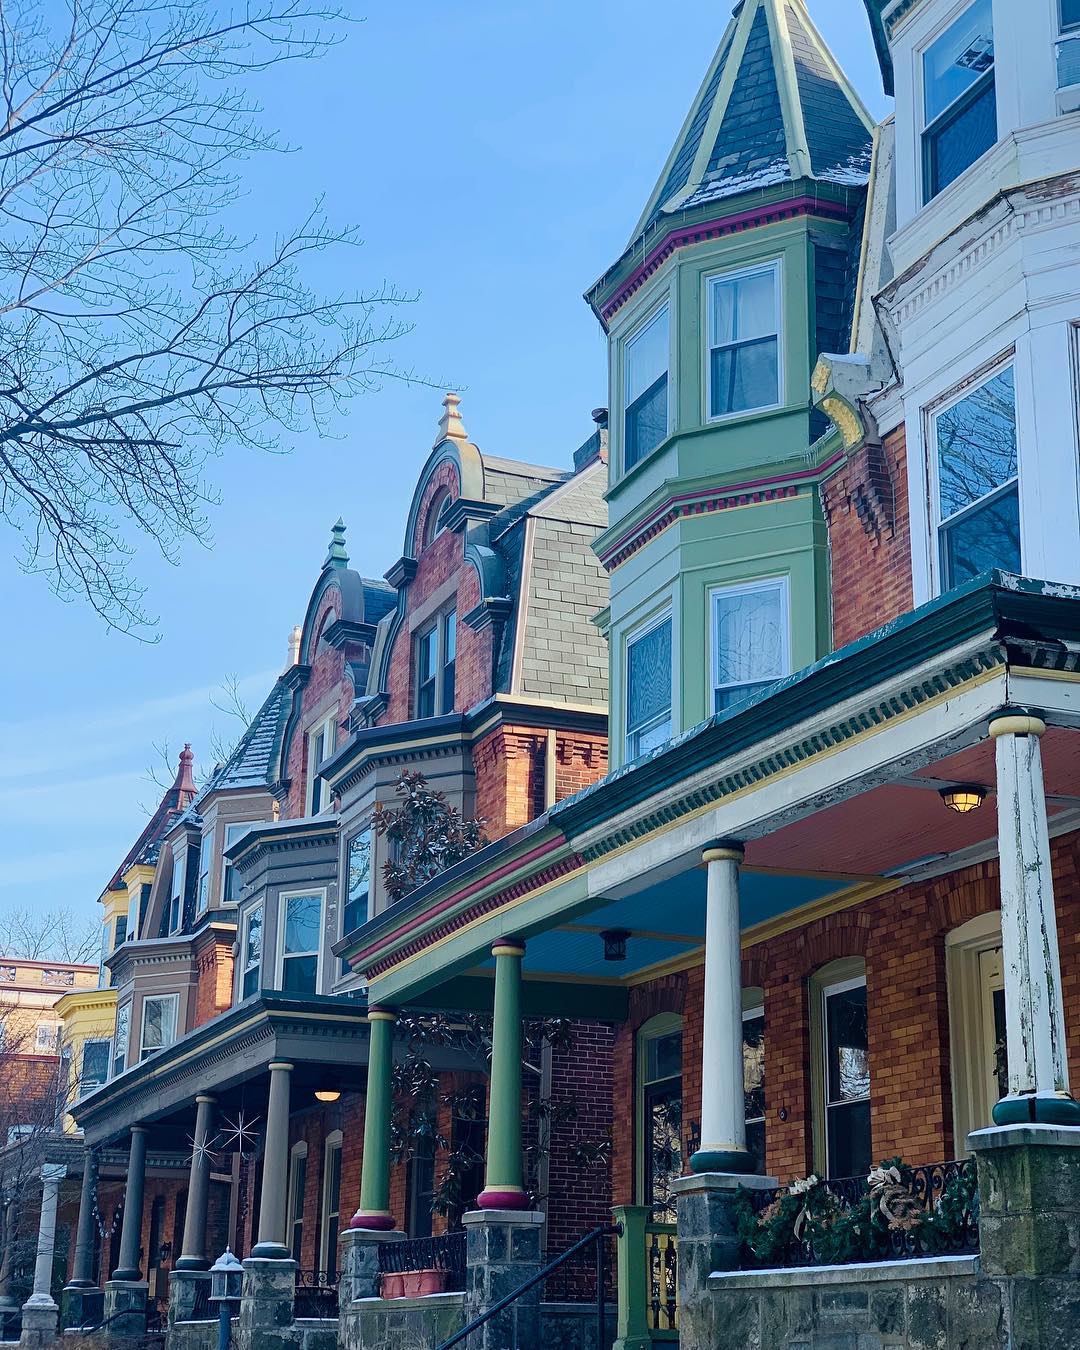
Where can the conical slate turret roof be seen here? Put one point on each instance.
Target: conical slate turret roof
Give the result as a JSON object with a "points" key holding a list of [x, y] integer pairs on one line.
{"points": [[774, 107]]}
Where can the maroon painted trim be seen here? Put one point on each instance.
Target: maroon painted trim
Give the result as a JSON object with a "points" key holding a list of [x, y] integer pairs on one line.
{"points": [[374, 1223], [717, 229], [499, 1199]]}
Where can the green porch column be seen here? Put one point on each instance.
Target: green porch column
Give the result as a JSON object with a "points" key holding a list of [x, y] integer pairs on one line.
{"points": [[374, 1211], [503, 1188], [632, 1327]]}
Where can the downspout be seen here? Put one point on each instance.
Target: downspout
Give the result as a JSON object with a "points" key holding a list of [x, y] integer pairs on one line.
{"points": [[551, 767]]}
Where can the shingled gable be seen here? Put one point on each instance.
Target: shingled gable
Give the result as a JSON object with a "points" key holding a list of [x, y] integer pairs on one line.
{"points": [[173, 804], [774, 107]]}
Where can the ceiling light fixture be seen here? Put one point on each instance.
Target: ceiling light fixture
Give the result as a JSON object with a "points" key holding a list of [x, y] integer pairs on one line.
{"points": [[327, 1094], [963, 797], [614, 940]]}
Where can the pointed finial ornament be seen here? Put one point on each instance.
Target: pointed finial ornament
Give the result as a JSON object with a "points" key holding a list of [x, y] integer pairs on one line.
{"points": [[185, 778], [294, 647], [336, 555], [451, 427]]}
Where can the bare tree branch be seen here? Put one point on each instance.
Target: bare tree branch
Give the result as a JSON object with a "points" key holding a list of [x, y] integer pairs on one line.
{"points": [[49, 935], [138, 336]]}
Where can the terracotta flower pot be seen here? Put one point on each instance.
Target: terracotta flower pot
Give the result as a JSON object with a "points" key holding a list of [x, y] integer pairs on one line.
{"points": [[432, 1281], [412, 1280], [392, 1286]]}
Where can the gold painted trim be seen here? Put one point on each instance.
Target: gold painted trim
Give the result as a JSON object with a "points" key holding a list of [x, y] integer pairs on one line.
{"points": [[1033, 673], [379, 1015], [508, 949], [1017, 726], [709, 855]]}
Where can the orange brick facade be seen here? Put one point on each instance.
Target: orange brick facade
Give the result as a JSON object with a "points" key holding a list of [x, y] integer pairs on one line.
{"points": [[901, 936], [866, 506], [511, 772], [213, 981]]}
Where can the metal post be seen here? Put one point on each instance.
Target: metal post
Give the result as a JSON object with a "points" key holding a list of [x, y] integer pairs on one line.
{"points": [[601, 1330]]}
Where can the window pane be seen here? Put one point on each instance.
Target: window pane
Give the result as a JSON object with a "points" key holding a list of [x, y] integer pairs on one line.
{"points": [[976, 443], [744, 378], [963, 53], [646, 422], [1070, 13], [359, 882], [750, 634], [848, 1140], [253, 943], [754, 1066], [298, 976], [449, 659], [743, 308], [648, 676], [663, 1149], [95, 1062], [986, 537], [663, 1057], [847, 1045], [427, 645], [646, 357], [302, 913], [960, 140]]}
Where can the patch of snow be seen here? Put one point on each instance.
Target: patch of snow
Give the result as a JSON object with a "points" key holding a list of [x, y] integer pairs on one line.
{"points": [[779, 171], [854, 173]]}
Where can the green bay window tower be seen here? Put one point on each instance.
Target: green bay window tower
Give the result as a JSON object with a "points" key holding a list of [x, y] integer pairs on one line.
{"points": [[741, 269]]}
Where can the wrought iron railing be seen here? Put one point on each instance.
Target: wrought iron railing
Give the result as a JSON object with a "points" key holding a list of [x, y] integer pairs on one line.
{"points": [[445, 1253], [200, 1310], [662, 1276], [316, 1294], [10, 1324], [944, 1193]]}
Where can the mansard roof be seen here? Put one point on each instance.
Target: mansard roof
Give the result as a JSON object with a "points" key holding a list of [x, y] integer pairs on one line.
{"points": [[174, 802], [774, 107]]}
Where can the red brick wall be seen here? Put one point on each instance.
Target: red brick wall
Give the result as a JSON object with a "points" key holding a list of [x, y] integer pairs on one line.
{"points": [[866, 506], [510, 766], [579, 1197], [901, 936], [213, 981]]}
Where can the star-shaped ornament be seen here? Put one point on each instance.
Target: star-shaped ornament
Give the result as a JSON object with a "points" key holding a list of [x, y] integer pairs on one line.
{"points": [[240, 1133]]}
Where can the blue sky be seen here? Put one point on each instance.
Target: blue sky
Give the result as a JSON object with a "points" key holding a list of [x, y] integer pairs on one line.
{"points": [[495, 156]]}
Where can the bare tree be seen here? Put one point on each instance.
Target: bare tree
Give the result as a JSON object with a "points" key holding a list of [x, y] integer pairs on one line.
{"points": [[49, 935], [139, 336]]}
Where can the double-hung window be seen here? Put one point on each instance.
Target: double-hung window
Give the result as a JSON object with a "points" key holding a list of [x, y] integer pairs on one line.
{"points": [[296, 1193], [744, 341], [645, 388], [251, 950], [120, 1040], [436, 667], [95, 1066], [648, 688], [301, 926], [847, 1078], [959, 98], [159, 1013], [358, 886], [331, 1205], [321, 741], [206, 859], [1068, 49], [230, 890], [753, 1040], [176, 892], [974, 442], [750, 642]]}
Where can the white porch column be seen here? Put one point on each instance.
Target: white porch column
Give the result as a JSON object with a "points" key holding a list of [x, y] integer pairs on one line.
{"points": [[1034, 1020], [723, 1119], [51, 1176]]}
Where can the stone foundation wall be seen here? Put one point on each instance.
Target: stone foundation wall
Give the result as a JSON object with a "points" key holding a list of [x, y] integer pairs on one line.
{"points": [[401, 1323]]}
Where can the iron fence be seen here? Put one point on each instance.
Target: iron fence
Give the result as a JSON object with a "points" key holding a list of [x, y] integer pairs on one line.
{"points": [[316, 1294], [444, 1253]]}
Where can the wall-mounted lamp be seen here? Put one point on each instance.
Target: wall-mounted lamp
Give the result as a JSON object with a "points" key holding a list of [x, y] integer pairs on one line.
{"points": [[963, 797], [614, 940]]}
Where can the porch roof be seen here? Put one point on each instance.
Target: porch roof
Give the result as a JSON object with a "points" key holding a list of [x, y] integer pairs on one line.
{"points": [[830, 777]]}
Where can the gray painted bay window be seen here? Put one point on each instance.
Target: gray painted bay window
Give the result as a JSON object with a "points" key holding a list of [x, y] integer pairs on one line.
{"points": [[251, 950], [120, 1040], [159, 1014], [974, 438], [645, 388], [230, 891], [301, 925], [959, 98], [357, 905], [206, 858], [648, 688], [744, 341]]}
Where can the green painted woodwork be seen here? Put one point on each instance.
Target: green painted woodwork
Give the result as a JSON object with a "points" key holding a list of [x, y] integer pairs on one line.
{"points": [[632, 1324], [375, 1165], [1063, 1110], [504, 1166]]}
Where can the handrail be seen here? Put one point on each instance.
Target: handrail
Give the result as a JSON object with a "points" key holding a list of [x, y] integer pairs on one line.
{"points": [[597, 1235], [88, 1327]]}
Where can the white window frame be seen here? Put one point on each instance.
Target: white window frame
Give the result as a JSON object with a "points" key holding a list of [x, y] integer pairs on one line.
{"points": [[666, 615], [241, 962], [333, 1144], [176, 887], [226, 867], [825, 992], [780, 583], [932, 459], [922, 127], [122, 1039], [436, 625], [47, 1044], [662, 310], [775, 266], [327, 727], [298, 1153], [283, 898], [206, 869], [1065, 36], [174, 1000], [85, 1086]]}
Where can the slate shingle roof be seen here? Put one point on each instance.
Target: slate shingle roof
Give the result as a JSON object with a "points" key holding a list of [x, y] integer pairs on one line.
{"points": [[173, 804], [774, 108]]}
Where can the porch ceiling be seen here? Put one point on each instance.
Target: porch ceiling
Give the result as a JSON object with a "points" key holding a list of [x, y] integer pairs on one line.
{"points": [[828, 859]]}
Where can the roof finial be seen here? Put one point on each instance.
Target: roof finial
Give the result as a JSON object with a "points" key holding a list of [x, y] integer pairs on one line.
{"points": [[451, 427], [336, 555], [185, 779], [294, 647]]}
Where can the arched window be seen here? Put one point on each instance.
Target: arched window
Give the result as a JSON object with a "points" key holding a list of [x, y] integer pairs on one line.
{"points": [[659, 1113], [840, 1061], [435, 521]]}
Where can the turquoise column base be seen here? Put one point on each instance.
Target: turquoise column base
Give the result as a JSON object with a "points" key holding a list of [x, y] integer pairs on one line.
{"points": [[1059, 1109], [740, 1161]]}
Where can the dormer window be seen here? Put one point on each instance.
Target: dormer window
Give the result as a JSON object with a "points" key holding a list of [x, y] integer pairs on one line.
{"points": [[436, 667], [959, 98], [176, 892], [645, 388], [321, 741], [744, 341], [437, 515], [230, 890], [206, 857]]}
